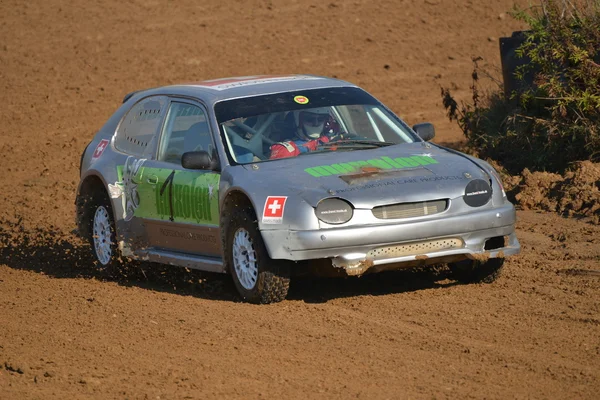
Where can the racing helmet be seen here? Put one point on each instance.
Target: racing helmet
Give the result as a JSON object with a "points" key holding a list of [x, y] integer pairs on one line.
{"points": [[311, 122]]}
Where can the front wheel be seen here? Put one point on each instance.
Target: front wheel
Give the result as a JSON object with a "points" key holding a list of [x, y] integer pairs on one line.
{"points": [[474, 271], [257, 277]]}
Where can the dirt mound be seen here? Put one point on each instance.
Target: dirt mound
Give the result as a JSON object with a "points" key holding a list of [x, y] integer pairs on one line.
{"points": [[577, 193]]}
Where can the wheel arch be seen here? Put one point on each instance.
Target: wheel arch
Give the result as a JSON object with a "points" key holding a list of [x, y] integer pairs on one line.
{"points": [[235, 198], [90, 186]]}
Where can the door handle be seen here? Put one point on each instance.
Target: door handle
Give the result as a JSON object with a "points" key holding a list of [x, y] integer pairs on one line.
{"points": [[152, 179]]}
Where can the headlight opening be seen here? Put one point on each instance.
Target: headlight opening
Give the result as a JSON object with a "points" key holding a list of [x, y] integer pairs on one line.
{"points": [[499, 180]]}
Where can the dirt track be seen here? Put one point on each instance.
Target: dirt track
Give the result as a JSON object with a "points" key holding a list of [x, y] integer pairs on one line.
{"points": [[64, 333]]}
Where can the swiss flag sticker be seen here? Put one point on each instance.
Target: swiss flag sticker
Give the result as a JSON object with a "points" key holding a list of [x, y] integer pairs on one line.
{"points": [[274, 208], [100, 149]]}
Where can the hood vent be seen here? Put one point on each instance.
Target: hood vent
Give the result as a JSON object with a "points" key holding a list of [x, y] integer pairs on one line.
{"points": [[367, 177], [410, 210]]}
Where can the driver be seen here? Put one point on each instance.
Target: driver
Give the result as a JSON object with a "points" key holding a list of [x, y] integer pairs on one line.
{"points": [[314, 127]]}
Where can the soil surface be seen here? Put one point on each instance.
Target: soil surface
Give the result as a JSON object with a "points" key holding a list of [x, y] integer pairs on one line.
{"points": [[161, 333]]}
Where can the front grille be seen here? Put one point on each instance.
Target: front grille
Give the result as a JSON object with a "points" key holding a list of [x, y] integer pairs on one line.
{"points": [[416, 248], [409, 210]]}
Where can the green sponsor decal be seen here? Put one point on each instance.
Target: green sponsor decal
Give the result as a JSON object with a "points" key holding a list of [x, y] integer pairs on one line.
{"points": [[381, 163], [192, 198], [176, 195], [126, 187]]}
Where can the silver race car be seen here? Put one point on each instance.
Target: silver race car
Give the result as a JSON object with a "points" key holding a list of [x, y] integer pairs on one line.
{"points": [[261, 176]]}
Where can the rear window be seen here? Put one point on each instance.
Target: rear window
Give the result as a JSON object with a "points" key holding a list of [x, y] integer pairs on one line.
{"points": [[139, 128]]}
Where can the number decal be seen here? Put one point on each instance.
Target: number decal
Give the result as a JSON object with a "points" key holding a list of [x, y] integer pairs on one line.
{"points": [[169, 181]]}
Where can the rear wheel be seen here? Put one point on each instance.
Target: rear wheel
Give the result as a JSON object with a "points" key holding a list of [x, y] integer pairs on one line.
{"points": [[474, 271], [257, 277], [102, 236]]}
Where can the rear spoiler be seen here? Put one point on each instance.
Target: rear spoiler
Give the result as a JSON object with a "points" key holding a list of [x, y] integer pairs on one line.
{"points": [[128, 95]]}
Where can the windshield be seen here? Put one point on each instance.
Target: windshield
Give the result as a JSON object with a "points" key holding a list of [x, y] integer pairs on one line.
{"points": [[298, 123]]}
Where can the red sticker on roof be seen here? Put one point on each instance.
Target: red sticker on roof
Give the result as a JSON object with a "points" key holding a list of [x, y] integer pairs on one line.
{"points": [[274, 208], [230, 83], [225, 81], [100, 149]]}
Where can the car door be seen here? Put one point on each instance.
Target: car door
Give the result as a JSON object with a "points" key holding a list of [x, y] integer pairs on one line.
{"points": [[181, 206]]}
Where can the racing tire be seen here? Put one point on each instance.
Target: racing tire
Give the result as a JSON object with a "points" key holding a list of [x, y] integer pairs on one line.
{"points": [[474, 271], [257, 277], [102, 235]]}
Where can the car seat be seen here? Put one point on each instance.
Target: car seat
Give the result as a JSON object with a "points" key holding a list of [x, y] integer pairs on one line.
{"points": [[283, 130]]}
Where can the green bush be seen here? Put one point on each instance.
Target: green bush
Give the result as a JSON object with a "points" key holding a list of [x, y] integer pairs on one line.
{"points": [[555, 121]]}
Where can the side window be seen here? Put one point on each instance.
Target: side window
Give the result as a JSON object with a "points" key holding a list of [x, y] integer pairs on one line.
{"points": [[138, 129], [373, 123], [385, 127], [186, 129], [356, 120]]}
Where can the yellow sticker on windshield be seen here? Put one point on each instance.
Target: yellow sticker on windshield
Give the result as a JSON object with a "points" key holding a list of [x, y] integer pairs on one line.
{"points": [[301, 99]]}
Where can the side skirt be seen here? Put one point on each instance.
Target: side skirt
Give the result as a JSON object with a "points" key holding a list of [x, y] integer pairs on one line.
{"points": [[210, 264]]}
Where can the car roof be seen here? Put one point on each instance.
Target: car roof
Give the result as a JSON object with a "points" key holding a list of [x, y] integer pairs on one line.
{"points": [[212, 91]]}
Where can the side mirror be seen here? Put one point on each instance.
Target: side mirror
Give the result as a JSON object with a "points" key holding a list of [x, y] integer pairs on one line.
{"points": [[197, 160], [425, 130]]}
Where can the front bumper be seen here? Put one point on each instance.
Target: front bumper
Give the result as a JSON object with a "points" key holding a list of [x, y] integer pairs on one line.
{"points": [[357, 249]]}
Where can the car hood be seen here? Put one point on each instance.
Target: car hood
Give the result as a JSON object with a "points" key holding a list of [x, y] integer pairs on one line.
{"points": [[368, 178]]}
